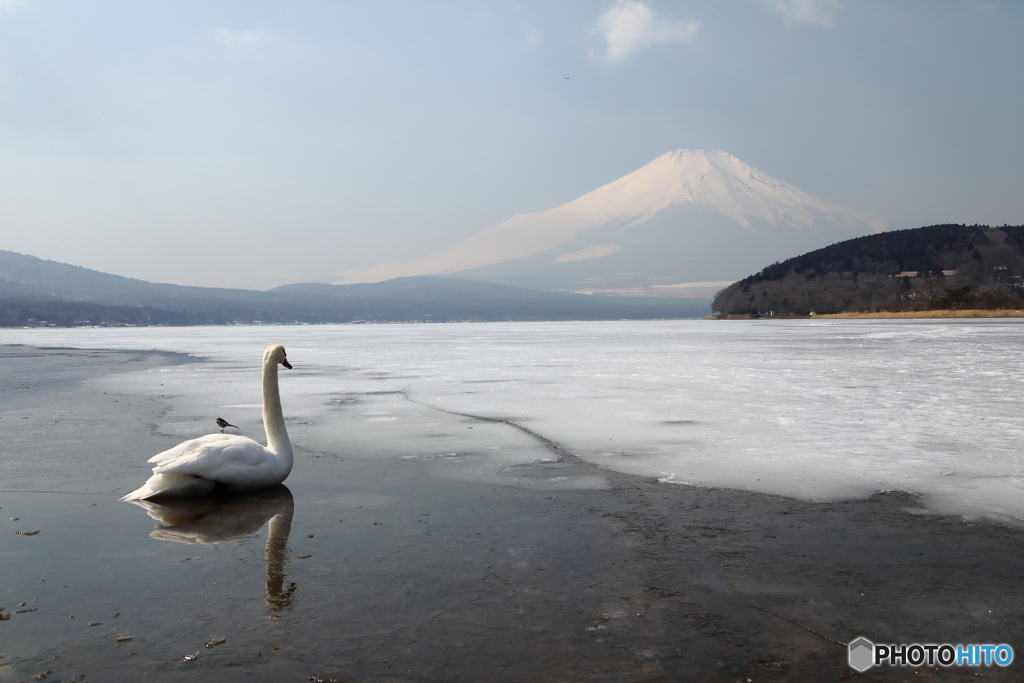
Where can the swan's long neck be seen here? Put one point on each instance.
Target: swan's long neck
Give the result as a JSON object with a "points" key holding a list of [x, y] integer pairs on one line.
{"points": [[273, 416], [278, 597]]}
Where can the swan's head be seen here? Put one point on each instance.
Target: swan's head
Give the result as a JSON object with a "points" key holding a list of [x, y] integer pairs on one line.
{"points": [[275, 354]]}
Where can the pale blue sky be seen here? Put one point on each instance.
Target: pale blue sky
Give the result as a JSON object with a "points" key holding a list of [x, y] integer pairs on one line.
{"points": [[258, 143]]}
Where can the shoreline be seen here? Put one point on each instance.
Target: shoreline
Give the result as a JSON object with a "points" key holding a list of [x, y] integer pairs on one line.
{"points": [[885, 315], [936, 314], [430, 577]]}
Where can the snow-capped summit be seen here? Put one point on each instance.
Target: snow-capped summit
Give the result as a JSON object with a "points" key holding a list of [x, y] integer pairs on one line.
{"points": [[719, 181], [688, 215]]}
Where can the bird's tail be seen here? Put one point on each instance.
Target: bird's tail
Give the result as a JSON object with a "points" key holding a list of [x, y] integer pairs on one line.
{"points": [[171, 485]]}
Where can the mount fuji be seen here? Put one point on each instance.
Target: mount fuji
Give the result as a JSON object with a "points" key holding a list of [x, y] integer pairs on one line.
{"points": [[689, 222]]}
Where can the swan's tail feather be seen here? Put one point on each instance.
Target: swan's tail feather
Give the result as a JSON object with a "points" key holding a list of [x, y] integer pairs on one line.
{"points": [[171, 485]]}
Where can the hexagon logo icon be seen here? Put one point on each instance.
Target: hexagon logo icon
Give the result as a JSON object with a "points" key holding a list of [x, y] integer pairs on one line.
{"points": [[862, 654]]}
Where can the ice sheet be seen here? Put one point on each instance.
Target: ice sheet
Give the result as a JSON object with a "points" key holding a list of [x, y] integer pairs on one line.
{"points": [[810, 409]]}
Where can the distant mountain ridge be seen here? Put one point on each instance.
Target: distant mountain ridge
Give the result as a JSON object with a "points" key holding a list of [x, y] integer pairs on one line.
{"points": [[24, 274], [34, 290], [661, 224]]}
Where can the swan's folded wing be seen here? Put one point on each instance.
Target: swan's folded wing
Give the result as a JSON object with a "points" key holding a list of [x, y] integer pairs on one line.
{"points": [[217, 460], [186, 447]]}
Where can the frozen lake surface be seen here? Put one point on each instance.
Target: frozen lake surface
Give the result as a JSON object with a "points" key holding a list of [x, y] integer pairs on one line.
{"points": [[815, 410], [419, 538]]}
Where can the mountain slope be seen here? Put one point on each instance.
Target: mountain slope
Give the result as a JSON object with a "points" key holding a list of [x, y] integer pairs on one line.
{"points": [[24, 275], [691, 205], [940, 266], [34, 290]]}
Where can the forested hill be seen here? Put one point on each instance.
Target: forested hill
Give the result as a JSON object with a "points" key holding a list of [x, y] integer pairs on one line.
{"points": [[940, 266]]}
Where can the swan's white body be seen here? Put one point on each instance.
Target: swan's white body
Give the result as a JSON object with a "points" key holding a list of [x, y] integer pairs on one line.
{"points": [[199, 465]]}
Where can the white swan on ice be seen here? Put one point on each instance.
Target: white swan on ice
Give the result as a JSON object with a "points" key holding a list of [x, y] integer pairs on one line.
{"points": [[197, 466]]}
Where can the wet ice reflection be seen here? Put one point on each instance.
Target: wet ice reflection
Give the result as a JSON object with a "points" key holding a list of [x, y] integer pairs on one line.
{"points": [[412, 565], [230, 517]]}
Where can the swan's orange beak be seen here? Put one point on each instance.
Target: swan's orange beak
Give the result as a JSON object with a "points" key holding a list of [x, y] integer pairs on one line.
{"points": [[286, 364]]}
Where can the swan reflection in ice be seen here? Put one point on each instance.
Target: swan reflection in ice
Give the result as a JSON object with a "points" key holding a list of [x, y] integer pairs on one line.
{"points": [[230, 517]]}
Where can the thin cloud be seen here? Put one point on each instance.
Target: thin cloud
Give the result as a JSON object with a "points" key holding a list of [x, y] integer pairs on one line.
{"points": [[532, 36], [820, 12], [10, 6], [631, 25], [238, 40]]}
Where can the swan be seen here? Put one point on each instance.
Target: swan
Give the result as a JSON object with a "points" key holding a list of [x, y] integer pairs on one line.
{"points": [[197, 466]]}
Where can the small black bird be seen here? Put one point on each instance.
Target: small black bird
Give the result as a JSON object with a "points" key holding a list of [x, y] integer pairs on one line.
{"points": [[224, 424]]}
